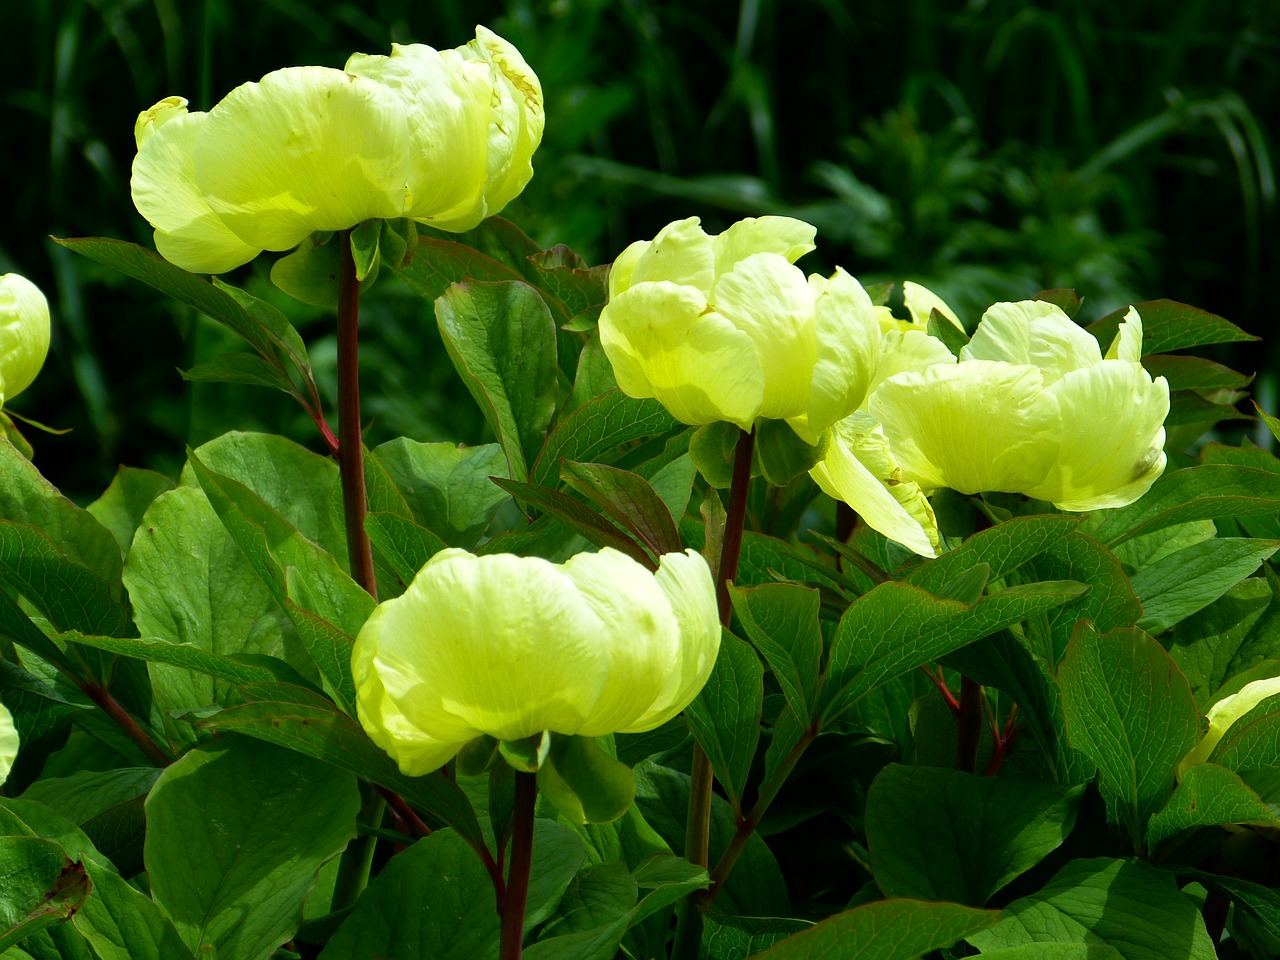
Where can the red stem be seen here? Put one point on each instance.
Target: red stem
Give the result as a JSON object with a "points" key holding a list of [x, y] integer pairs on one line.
{"points": [[350, 445], [517, 892]]}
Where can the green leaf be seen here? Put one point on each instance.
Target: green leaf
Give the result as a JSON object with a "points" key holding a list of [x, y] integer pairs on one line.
{"points": [[781, 620], [447, 486], [1129, 709], [583, 782], [887, 930], [898, 627], [1068, 301], [364, 247], [279, 817], [325, 604], [1169, 325], [1209, 492], [729, 938], [713, 447], [1253, 741], [41, 887], [310, 272], [311, 724], [1003, 548], [1239, 630], [199, 604], [527, 754], [940, 327], [502, 341], [1186, 582], [441, 884], [121, 507], [1195, 373], [246, 368], [26, 497], [578, 517], [756, 886], [403, 545], [595, 428], [438, 263], [1261, 903], [1125, 904], [781, 455], [577, 287], [628, 500], [1208, 796], [725, 717], [120, 923], [936, 834]]}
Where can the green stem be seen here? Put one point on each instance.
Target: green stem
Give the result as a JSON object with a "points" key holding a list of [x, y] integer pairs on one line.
{"points": [[100, 695], [697, 838], [968, 725], [357, 859], [748, 826], [517, 891], [350, 444]]}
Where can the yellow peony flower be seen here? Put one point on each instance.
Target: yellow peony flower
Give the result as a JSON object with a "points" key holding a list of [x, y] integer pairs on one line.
{"points": [[8, 743], [511, 646], [1226, 712], [725, 328], [445, 138], [1031, 406], [24, 334]]}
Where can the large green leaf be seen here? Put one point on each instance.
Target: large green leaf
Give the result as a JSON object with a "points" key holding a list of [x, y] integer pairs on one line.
{"points": [[199, 603], [309, 723], [276, 818], [1240, 630], [1185, 582], [1169, 325], [123, 503], [1208, 796], [887, 930], [628, 500], [1003, 548], [781, 620], [936, 834], [502, 341], [725, 717], [1125, 904], [596, 427], [899, 627], [39, 887], [447, 486], [1129, 709]]}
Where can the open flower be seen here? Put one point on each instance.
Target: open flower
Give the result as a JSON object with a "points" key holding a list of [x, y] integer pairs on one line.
{"points": [[511, 646], [726, 328], [8, 743], [24, 334], [1226, 712], [1031, 406], [441, 137]]}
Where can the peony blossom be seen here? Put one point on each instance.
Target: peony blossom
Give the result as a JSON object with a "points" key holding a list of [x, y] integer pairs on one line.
{"points": [[1226, 712], [1030, 406], [24, 334], [8, 743], [511, 646], [441, 137], [726, 328]]}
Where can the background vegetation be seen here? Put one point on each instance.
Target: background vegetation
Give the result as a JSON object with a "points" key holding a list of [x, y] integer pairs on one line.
{"points": [[990, 148]]}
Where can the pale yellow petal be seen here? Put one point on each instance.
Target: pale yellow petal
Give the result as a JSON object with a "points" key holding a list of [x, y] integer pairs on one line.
{"points": [[664, 343], [8, 743], [685, 580], [24, 334], [680, 253], [446, 102], [1111, 437], [1004, 332], [1127, 344], [785, 236], [639, 638], [973, 426], [188, 232], [859, 469], [921, 302], [623, 270], [848, 351], [902, 351], [156, 116], [304, 149], [1226, 712], [769, 299]]}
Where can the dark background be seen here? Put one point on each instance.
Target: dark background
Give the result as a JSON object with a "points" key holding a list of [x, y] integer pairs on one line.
{"points": [[989, 149]]}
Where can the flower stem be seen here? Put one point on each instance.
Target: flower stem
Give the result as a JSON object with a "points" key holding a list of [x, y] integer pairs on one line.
{"points": [[100, 695], [698, 827], [518, 873], [350, 445], [968, 725]]}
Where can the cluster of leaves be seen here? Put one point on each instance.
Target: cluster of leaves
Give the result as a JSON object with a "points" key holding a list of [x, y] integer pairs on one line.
{"points": [[192, 777]]}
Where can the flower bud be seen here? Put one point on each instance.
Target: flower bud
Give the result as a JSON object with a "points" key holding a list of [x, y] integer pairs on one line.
{"points": [[1226, 712], [24, 334], [8, 743], [511, 646]]}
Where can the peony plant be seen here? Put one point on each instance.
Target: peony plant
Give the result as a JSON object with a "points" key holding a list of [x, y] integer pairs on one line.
{"points": [[24, 334]]}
